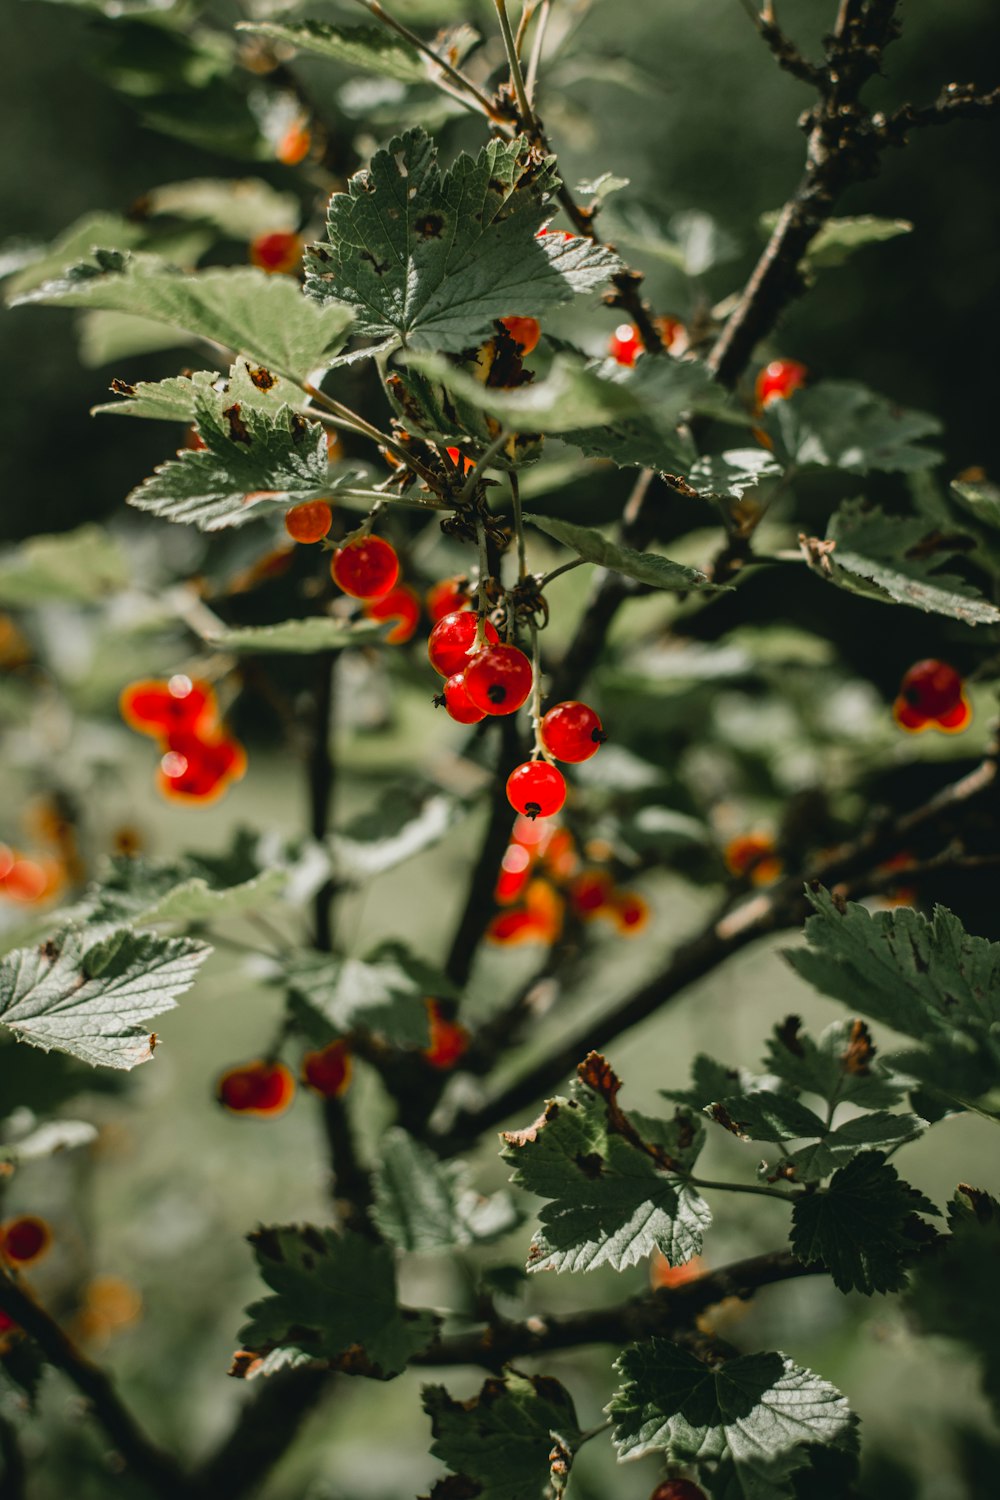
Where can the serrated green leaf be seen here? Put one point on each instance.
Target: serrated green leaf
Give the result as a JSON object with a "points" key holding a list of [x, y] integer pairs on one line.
{"points": [[614, 1196], [710, 1079], [645, 567], [263, 317], [382, 993], [899, 559], [572, 395], [501, 1442], [334, 1296], [928, 979], [170, 400], [87, 990], [73, 567], [256, 455], [666, 391], [952, 1289], [423, 1203], [407, 820], [297, 637], [753, 1414], [838, 1147], [733, 473], [764, 1115], [145, 894], [240, 208], [365, 49], [841, 1066], [76, 242], [432, 257], [863, 1227], [839, 424]]}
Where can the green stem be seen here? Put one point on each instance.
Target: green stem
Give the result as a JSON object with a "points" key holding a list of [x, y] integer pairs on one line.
{"points": [[482, 592], [536, 51], [743, 1187], [516, 76], [577, 562], [459, 79], [482, 464]]}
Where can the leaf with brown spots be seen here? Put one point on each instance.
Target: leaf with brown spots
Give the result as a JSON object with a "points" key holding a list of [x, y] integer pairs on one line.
{"points": [[515, 1440]]}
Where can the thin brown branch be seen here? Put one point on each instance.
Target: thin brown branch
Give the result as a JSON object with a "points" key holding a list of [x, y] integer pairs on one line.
{"points": [[783, 906], [161, 1474], [958, 101]]}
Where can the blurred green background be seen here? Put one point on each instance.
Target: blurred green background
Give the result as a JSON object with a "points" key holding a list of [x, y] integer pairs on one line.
{"points": [[682, 99]]}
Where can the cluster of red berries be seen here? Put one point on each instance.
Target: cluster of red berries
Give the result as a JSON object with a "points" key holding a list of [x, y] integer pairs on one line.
{"points": [[200, 760], [932, 696], [542, 875], [366, 567]]}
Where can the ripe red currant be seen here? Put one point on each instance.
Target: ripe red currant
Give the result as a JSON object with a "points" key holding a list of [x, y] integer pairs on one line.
{"points": [[625, 344], [259, 1088], [457, 703], [452, 639], [24, 1240], [446, 597], [931, 688], [524, 331], [158, 707], [498, 679], [536, 789], [402, 605], [308, 522], [591, 892], [366, 568], [572, 732], [277, 252], [199, 770], [678, 1489], [328, 1072], [778, 380]]}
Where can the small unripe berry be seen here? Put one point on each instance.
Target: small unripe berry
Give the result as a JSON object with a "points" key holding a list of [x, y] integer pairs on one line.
{"points": [[572, 732], [295, 144], [536, 789], [778, 380], [524, 331], [452, 639], [457, 702], [402, 605], [366, 568], [498, 679], [448, 1039], [308, 522]]}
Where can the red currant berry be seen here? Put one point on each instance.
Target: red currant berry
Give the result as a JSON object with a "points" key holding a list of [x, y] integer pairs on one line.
{"points": [[778, 380], [457, 702], [256, 1088], [295, 144], [328, 1072], [678, 1489], [536, 789], [309, 522], [498, 679], [276, 252], [366, 568], [24, 1240], [572, 732], [524, 331], [197, 770], [448, 1040], [591, 892], [446, 597], [402, 605], [158, 708], [931, 688], [625, 344], [452, 639]]}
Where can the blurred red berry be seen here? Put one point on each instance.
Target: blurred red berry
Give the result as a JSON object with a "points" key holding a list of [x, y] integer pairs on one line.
{"points": [[778, 380], [276, 253], [328, 1071], [308, 522], [366, 568], [259, 1088], [402, 605]]}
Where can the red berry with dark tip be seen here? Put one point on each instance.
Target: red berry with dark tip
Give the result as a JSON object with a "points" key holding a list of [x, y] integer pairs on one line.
{"points": [[452, 639], [678, 1489], [931, 688], [778, 380], [308, 522], [366, 568], [572, 732], [457, 702], [498, 679], [536, 789]]}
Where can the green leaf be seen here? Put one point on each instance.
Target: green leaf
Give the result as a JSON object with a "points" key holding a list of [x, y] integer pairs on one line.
{"points": [[179, 892], [334, 1299], [432, 257], [87, 991], [840, 1146], [953, 1288], [733, 473], [263, 317], [572, 395], [76, 242], [503, 1442], [365, 49], [841, 1067], [981, 499], [754, 1414], [614, 1197], [297, 637], [863, 1227], [710, 1079], [73, 567], [407, 819], [257, 453], [239, 208], [425, 1204], [838, 239], [841, 425], [763, 1115], [170, 400], [898, 559], [665, 391], [382, 993], [645, 567], [928, 979]]}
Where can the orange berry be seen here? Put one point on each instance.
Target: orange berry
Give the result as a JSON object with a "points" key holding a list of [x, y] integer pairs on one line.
{"points": [[308, 522], [629, 912], [295, 144], [524, 331], [752, 854], [662, 1273]]}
